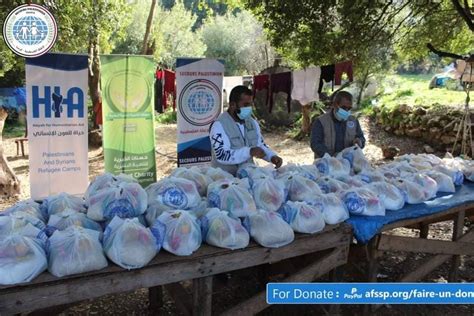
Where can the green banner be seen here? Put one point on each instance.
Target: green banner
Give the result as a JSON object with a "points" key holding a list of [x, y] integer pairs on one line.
{"points": [[127, 105]]}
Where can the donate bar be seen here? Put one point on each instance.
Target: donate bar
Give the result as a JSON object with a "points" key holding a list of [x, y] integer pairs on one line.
{"points": [[370, 293]]}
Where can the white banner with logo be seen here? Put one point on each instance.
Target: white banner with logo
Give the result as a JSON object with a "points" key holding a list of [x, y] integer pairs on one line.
{"points": [[199, 96], [56, 98]]}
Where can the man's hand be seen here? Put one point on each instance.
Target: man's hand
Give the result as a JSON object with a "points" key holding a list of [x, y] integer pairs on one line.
{"points": [[277, 161], [257, 152], [357, 142]]}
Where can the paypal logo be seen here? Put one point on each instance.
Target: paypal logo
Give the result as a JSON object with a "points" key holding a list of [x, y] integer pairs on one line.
{"points": [[51, 103]]}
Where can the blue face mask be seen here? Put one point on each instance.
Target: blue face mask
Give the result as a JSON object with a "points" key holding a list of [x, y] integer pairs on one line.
{"points": [[342, 115], [245, 112]]}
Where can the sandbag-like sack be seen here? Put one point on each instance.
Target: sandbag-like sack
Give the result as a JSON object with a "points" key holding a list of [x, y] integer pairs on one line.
{"points": [[412, 192], [174, 193], [391, 197], [334, 210], [303, 217], [220, 230], [444, 182], [269, 229], [232, 196], [22, 255], [129, 244], [125, 200], [268, 193], [300, 188], [62, 201], [330, 166], [27, 206], [182, 232], [363, 202], [195, 175], [75, 250], [106, 180], [69, 217]]}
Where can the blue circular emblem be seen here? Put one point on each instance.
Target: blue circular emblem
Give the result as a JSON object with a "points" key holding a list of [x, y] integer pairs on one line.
{"points": [[199, 102], [350, 124], [175, 197]]}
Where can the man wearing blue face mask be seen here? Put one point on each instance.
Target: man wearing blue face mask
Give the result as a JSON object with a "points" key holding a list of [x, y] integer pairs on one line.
{"points": [[336, 129], [236, 137]]}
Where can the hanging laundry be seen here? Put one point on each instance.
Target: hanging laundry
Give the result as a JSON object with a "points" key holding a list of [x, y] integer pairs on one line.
{"points": [[230, 83], [327, 74], [261, 82], [305, 85], [281, 82], [159, 106], [340, 68], [169, 88]]}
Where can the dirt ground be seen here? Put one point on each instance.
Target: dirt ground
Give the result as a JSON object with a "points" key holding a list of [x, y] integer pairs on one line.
{"points": [[393, 265]]}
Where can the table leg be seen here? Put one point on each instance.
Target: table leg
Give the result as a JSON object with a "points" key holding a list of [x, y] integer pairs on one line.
{"points": [[155, 297], [457, 233], [424, 230], [202, 296], [22, 149], [17, 148]]}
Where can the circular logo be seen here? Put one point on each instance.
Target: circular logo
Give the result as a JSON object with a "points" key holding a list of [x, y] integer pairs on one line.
{"points": [[175, 197], [199, 102], [30, 30], [350, 124]]}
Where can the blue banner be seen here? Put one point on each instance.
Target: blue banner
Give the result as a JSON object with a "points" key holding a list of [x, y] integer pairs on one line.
{"points": [[370, 293]]}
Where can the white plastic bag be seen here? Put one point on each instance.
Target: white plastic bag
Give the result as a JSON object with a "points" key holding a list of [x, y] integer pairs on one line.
{"points": [[59, 202], [173, 193], [69, 217], [217, 174], [195, 175], [124, 199], [231, 196], [331, 185], [269, 229], [303, 217], [75, 250], [370, 175], [330, 166], [269, 194], [250, 170], [356, 158], [428, 184], [444, 182], [362, 201], [412, 192], [352, 181], [106, 180], [300, 188], [334, 210], [182, 232], [389, 194], [28, 206], [220, 230], [453, 172], [22, 255], [18, 220], [129, 244]]}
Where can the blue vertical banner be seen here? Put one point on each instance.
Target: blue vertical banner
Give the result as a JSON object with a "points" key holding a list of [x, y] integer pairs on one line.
{"points": [[56, 90], [199, 99]]}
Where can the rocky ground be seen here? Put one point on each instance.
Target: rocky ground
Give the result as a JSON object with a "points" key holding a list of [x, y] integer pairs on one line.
{"points": [[245, 283]]}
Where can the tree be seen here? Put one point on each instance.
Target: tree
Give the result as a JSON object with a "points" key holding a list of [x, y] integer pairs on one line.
{"points": [[239, 40], [9, 183], [149, 23]]}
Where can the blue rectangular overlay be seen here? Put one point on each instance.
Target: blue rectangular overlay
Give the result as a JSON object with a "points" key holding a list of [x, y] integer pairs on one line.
{"points": [[370, 293]]}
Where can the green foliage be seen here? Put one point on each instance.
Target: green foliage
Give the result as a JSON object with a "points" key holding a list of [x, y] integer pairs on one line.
{"points": [[239, 40], [168, 117], [202, 9]]}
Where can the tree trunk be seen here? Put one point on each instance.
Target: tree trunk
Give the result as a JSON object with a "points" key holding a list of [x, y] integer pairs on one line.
{"points": [[94, 77], [149, 23], [9, 183], [363, 85], [306, 125]]}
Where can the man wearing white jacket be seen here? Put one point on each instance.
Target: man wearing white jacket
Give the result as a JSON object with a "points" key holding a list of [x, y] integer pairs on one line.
{"points": [[236, 137]]}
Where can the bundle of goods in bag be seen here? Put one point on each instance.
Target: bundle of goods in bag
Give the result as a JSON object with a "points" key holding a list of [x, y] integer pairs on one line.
{"points": [[330, 166], [412, 192], [269, 229], [391, 197], [454, 172], [27, 206], [220, 230], [299, 188], [57, 203], [370, 175], [195, 175], [216, 174], [331, 185], [356, 158], [269, 194], [173, 193], [362, 201], [75, 250], [334, 210], [69, 217], [233, 196], [352, 181], [181, 231], [444, 182], [106, 180], [307, 171], [250, 170], [466, 166], [303, 217], [18, 220], [129, 244], [22, 255], [428, 184], [123, 199]]}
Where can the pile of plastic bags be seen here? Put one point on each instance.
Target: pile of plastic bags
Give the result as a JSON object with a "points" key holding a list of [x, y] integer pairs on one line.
{"points": [[220, 230], [303, 217], [233, 196], [269, 229]]}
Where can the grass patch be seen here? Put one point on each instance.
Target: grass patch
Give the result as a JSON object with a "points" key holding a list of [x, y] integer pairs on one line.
{"points": [[168, 117], [13, 130]]}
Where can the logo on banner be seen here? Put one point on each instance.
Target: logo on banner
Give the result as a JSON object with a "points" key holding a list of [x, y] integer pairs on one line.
{"points": [[199, 102], [49, 102], [30, 30]]}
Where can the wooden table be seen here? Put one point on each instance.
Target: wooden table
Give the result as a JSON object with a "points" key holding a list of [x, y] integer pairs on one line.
{"points": [[47, 290]]}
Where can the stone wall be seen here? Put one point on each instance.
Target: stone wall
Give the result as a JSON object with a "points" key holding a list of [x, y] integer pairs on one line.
{"points": [[436, 125]]}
